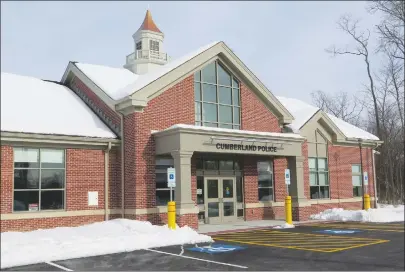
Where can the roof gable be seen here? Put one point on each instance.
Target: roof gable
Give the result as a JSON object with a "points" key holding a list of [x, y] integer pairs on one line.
{"points": [[154, 83]]}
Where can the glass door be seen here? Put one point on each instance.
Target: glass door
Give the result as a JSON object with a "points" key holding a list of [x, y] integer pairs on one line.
{"points": [[220, 200], [212, 196], [228, 200]]}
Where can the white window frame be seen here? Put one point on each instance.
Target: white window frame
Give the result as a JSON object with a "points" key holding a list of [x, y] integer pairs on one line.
{"points": [[170, 163], [39, 189], [317, 171], [271, 187], [218, 104], [138, 45], [359, 175]]}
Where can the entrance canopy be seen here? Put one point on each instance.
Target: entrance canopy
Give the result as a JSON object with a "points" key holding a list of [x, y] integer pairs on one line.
{"points": [[218, 140]]}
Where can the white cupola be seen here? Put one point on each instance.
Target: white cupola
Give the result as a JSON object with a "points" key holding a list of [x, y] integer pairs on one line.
{"points": [[148, 51]]}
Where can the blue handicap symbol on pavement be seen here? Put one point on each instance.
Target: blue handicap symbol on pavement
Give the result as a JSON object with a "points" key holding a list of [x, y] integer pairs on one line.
{"points": [[216, 248], [337, 231]]}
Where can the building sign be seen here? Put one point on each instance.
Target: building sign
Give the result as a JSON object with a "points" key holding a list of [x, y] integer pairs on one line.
{"points": [[236, 147], [171, 177], [365, 175], [33, 207]]}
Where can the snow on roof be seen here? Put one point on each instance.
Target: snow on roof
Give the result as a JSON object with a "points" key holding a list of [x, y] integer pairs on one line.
{"points": [[119, 82], [351, 131], [148, 78], [109, 79], [31, 105], [302, 112], [213, 129]]}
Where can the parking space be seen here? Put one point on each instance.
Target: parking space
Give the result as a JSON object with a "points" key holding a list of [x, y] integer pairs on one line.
{"points": [[387, 227], [297, 240], [301, 248]]}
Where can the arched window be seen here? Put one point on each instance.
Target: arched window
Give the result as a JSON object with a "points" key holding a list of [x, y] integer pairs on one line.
{"points": [[217, 97]]}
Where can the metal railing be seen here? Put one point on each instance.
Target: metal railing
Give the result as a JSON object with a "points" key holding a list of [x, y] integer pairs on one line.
{"points": [[146, 54]]}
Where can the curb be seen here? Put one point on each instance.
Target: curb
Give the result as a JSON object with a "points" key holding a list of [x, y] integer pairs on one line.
{"points": [[265, 227]]}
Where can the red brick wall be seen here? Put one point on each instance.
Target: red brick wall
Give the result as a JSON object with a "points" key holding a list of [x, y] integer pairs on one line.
{"points": [[114, 188], [110, 113], [45, 223], [7, 166], [250, 182], [264, 213], [280, 189], [255, 115], [341, 159], [84, 173]]}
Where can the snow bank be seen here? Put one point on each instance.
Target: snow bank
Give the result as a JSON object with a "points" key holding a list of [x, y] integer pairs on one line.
{"points": [[119, 235], [284, 226], [386, 213]]}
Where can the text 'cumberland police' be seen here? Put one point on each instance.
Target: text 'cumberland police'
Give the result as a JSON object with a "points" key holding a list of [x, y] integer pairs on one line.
{"points": [[262, 148]]}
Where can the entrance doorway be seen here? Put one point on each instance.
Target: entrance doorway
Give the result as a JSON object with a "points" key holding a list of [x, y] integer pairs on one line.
{"points": [[220, 200]]}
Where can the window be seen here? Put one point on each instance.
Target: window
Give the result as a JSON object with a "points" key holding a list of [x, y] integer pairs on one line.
{"points": [[265, 175], [318, 178], [138, 46], [356, 180], [162, 191], [39, 179], [154, 46], [217, 97]]}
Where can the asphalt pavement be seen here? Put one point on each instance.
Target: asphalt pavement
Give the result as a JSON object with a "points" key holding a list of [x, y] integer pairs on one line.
{"points": [[335, 246]]}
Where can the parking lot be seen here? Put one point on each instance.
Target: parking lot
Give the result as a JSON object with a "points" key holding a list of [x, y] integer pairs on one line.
{"points": [[334, 246]]}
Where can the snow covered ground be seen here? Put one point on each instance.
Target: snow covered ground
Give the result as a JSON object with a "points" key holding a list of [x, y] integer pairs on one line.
{"points": [[119, 235], [384, 213]]}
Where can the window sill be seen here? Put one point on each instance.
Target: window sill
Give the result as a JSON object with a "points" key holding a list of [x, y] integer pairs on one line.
{"points": [[40, 211]]}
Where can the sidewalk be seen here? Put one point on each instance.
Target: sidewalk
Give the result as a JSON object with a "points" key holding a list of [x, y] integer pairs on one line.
{"points": [[248, 225]]}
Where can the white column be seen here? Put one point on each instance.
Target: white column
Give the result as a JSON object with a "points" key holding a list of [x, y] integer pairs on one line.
{"points": [[182, 164]]}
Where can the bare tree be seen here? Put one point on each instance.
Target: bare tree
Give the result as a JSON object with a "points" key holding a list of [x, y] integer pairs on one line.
{"points": [[340, 105], [361, 38], [391, 28]]}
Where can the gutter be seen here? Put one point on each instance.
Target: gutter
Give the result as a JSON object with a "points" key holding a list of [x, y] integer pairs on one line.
{"points": [[106, 179]]}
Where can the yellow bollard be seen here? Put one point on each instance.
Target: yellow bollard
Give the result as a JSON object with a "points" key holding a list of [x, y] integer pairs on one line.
{"points": [[366, 202], [288, 210], [171, 214]]}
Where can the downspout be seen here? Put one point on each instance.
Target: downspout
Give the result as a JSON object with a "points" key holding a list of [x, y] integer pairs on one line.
{"points": [[106, 179], [122, 168]]}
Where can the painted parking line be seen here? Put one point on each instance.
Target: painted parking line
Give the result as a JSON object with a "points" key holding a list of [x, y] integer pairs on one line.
{"points": [[361, 226], [299, 241]]}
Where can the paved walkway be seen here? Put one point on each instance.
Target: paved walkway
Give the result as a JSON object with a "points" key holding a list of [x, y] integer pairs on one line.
{"points": [[210, 228], [241, 225]]}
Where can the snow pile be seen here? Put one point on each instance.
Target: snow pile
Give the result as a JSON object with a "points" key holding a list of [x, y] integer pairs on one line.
{"points": [[284, 226], [119, 235], [386, 214]]}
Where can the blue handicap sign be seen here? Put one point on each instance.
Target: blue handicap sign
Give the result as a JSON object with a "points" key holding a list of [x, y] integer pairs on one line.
{"points": [[337, 231], [216, 248], [171, 176]]}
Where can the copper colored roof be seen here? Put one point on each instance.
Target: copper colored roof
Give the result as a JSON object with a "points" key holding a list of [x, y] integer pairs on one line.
{"points": [[149, 24]]}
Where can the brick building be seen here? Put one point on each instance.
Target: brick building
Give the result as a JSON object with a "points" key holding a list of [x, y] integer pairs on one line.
{"points": [[97, 144]]}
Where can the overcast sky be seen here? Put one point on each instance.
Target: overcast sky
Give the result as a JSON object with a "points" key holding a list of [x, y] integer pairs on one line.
{"points": [[283, 43]]}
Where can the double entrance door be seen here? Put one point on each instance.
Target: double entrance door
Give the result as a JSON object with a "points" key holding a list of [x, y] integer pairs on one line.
{"points": [[220, 200]]}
